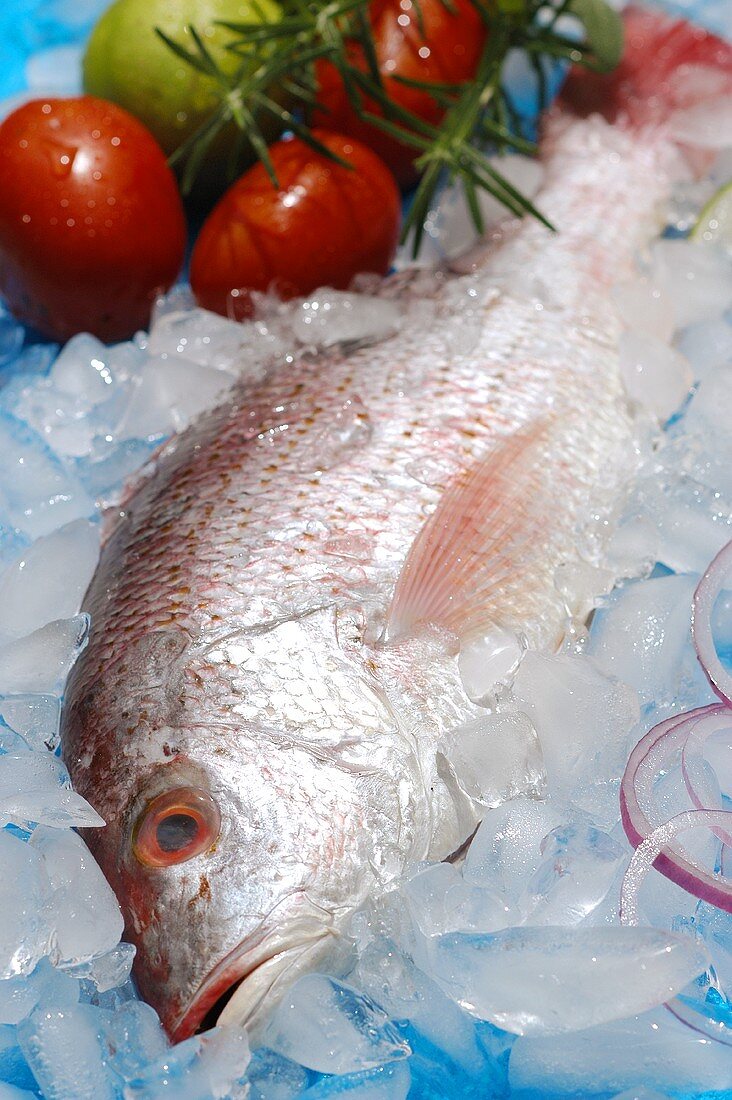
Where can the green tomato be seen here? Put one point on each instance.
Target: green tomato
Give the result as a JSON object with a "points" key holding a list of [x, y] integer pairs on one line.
{"points": [[127, 63]]}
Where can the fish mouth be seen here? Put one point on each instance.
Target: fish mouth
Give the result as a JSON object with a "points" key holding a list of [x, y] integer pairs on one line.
{"points": [[245, 985]]}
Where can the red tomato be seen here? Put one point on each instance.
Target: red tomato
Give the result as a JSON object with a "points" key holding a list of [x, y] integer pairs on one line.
{"points": [[447, 53], [91, 222], [325, 224]]}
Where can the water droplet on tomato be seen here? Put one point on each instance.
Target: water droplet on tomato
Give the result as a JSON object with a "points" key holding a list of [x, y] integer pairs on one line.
{"points": [[61, 157]]}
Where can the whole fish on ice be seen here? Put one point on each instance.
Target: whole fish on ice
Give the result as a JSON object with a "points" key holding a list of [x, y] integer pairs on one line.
{"points": [[279, 610]]}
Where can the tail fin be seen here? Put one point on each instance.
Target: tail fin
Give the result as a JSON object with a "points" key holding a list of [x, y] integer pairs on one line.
{"points": [[668, 63]]}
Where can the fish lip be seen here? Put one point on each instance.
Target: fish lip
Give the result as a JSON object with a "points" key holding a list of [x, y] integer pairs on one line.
{"points": [[233, 969]]}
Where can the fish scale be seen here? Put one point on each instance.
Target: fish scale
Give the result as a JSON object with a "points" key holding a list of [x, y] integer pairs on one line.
{"points": [[280, 604]]}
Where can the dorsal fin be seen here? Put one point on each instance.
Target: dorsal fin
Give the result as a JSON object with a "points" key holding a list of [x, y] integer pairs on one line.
{"points": [[468, 557]]}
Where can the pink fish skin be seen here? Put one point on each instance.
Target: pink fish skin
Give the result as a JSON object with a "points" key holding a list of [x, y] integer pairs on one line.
{"points": [[279, 609]]}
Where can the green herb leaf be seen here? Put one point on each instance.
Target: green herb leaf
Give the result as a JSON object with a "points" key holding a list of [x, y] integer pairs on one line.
{"points": [[603, 32]]}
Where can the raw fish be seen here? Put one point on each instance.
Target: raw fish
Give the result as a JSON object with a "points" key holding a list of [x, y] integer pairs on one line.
{"points": [[284, 594]]}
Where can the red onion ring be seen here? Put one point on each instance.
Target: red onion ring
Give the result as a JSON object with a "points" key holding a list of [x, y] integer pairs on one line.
{"points": [[705, 596], [704, 793], [703, 884], [652, 753]]}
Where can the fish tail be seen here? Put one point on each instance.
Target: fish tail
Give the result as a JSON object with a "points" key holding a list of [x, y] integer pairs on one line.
{"points": [[667, 64]]}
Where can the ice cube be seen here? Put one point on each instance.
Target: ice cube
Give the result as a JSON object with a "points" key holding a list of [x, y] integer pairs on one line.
{"points": [[653, 1048], [106, 971], [64, 1047], [495, 758], [706, 125], [211, 1066], [534, 980], [39, 663], [35, 787], [107, 467], [197, 336], [134, 1039], [40, 494], [329, 317], [10, 741], [272, 1077], [632, 549], [580, 865], [654, 374], [696, 278], [691, 521], [24, 931], [645, 308], [583, 719], [706, 345], [702, 439], [168, 395], [19, 996], [391, 1082], [506, 849], [35, 717], [49, 580], [62, 420], [705, 415], [441, 901], [83, 910], [488, 661], [716, 927], [641, 634], [327, 1026], [57, 68], [391, 978], [33, 364]]}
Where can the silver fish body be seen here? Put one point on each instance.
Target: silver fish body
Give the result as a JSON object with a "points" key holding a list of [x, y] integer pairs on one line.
{"points": [[244, 640]]}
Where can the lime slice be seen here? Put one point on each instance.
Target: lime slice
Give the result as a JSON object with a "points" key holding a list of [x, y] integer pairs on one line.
{"points": [[714, 225]]}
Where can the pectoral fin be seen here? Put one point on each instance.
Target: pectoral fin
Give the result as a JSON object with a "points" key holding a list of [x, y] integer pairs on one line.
{"points": [[468, 561]]}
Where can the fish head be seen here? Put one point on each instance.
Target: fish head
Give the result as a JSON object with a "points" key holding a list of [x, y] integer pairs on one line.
{"points": [[250, 790], [216, 864]]}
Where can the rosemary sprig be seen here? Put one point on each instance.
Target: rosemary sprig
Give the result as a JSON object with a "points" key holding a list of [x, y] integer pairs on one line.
{"points": [[277, 66]]}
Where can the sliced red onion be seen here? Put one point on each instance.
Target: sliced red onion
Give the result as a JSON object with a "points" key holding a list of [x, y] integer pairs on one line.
{"points": [[707, 591], [652, 755], [706, 885], [700, 779]]}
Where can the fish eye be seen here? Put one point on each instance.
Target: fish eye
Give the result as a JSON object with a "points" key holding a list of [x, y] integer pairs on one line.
{"points": [[175, 827]]}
